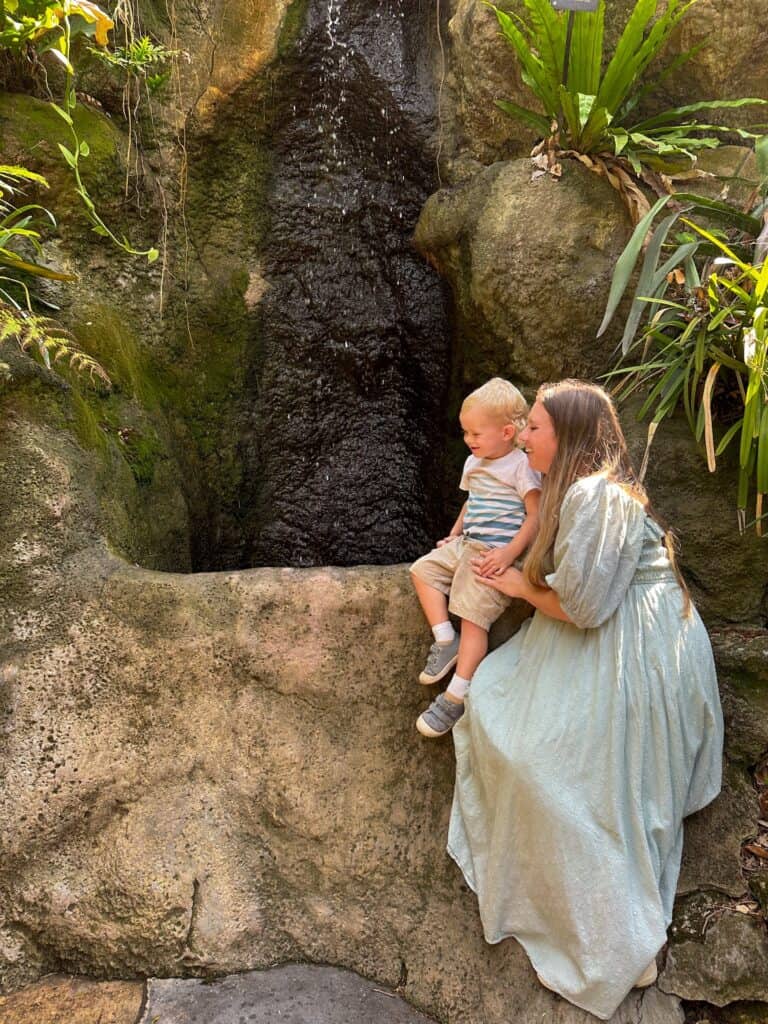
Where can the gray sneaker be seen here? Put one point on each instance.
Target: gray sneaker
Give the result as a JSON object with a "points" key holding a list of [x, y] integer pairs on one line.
{"points": [[440, 717], [440, 661]]}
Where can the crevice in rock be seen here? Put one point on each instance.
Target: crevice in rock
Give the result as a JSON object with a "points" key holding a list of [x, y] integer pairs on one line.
{"points": [[188, 955], [144, 1001]]}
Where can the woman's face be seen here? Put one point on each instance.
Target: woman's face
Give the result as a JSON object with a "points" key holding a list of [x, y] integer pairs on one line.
{"points": [[539, 438]]}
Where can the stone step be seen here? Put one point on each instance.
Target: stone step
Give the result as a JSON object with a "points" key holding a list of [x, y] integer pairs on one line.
{"points": [[293, 994]]}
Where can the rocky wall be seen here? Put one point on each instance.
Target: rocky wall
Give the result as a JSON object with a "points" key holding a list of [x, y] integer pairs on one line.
{"points": [[206, 773]]}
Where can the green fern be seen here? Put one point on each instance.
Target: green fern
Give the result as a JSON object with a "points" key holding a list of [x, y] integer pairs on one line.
{"points": [[49, 342]]}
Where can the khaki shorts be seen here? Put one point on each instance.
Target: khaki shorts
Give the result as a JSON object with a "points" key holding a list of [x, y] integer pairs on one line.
{"points": [[448, 570]]}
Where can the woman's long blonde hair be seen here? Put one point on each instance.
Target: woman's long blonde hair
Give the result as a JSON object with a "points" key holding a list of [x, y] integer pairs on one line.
{"points": [[589, 440]]}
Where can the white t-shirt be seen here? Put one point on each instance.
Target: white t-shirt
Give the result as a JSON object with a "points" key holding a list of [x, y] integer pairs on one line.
{"points": [[495, 508]]}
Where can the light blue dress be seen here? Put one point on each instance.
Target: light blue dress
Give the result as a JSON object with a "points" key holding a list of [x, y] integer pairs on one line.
{"points": [[582, 749]]}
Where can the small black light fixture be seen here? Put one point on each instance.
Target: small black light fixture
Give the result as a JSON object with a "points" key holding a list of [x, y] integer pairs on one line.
{"points": [[575, 5], [572, 6]]}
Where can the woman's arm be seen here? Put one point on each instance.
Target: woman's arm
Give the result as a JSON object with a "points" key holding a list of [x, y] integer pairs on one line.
{"points": [[514, 584]]}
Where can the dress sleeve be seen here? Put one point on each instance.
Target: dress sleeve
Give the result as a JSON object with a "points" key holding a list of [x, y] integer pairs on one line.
{"points": [[597, 549]]}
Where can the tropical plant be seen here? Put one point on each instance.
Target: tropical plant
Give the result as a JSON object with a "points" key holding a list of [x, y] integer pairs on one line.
{"points": [[51, 27], [48, 341], [20, 239], [141, 59], [589, 107], [42, 24], [20, 251], [699, 318]]}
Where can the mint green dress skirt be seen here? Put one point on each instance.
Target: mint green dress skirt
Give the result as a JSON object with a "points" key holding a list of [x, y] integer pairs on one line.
{"points": [[583, 747]]}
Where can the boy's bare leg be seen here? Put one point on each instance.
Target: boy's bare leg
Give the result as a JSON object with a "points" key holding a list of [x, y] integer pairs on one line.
{"points": [[433, 602], [473, 647]]}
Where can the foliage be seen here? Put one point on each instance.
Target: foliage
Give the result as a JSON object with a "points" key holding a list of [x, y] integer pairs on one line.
{"points": [[19, 235], [51, 27], [590, 109], [46, 340], [140, 58], [44, 25], [40, 336], [704, 340]]}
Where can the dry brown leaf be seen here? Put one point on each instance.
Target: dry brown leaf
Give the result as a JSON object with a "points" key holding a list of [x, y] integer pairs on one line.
{"points": [[756, 851], [706, 401], [750, 907]]}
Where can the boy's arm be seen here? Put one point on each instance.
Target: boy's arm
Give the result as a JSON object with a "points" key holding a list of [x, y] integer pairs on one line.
{"points": [[457, 529], [499, 559]]}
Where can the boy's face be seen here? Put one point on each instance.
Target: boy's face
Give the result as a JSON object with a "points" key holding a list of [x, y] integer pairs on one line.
{"points": [[486, 436]]}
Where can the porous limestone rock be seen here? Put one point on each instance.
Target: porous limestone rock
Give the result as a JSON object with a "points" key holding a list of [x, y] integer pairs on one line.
{"points": [[61, 1000], [221, 46], [724, 960], [530, 265], [214, 772]]}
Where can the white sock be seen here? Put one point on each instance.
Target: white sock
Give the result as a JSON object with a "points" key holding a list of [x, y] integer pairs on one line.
{"points": [[458, 686], [444, 632]]}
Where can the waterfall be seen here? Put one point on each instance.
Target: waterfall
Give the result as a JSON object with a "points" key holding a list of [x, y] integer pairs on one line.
{"points": [[351, 362]]}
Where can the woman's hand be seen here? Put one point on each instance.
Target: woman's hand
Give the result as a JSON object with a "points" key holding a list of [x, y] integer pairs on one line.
{"points": [[514, 584], [510, 582]]}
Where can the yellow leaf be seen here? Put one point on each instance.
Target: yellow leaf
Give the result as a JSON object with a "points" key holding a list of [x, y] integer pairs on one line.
{"points": [[92, 14]]}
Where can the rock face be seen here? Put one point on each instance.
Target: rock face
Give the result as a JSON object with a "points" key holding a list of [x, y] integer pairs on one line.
{"points": [[214, 772], [348, 368], [60, 1000], [530, 264]]}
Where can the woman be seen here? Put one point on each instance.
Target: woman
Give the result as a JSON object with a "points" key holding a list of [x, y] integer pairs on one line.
{"points": [[595, 730]]}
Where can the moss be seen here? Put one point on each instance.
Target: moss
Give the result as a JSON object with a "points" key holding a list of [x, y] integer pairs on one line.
{"points": [[293, 23], [31, 127], [86, 425], [103, 333], [142, 453]]}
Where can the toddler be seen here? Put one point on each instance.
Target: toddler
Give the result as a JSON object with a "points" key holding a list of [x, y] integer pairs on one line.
{"points": [[495, 526]]}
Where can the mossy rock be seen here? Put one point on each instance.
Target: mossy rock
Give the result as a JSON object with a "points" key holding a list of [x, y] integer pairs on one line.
{"points": [[31, 132]]}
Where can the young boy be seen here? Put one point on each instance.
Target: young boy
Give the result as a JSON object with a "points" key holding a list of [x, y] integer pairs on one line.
{"points": [[495, 526]]}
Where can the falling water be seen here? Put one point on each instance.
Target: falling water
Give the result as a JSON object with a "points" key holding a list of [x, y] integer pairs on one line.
{"points": [[350, 367]]}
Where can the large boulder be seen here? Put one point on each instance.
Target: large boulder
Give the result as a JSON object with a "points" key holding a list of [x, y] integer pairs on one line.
{"points": [[214, 772], [530, 265]]}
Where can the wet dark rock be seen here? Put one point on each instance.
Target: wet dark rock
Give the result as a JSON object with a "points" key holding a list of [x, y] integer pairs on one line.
{"points": [[350, 368]]}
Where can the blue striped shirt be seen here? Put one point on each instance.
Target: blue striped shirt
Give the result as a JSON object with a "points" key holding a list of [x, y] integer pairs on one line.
{"points": [[497, 487]]}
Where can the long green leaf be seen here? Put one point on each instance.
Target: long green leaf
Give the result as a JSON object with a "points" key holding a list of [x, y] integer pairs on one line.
{"points": [[625, 264], [532, 66], [613, 87], [587, 51], [728, 436], [530, 117], [653, 86], [723, 212], [762, 452], [678, 114], [547, 31], [645, 283]]}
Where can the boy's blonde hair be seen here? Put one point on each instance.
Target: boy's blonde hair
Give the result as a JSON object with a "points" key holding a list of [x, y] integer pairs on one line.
{"points": [[501, 400]]}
